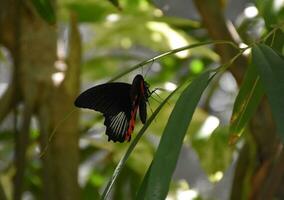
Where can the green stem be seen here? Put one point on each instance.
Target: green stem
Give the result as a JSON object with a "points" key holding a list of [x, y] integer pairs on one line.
{"points": [[173, 52]]}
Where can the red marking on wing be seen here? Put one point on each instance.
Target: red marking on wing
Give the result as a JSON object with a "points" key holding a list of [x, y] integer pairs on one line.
{"points": [[133, 114], [131, 124]]}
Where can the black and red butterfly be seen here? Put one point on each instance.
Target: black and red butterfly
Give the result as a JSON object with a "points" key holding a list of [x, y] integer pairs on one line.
{"points": [[119, 103]]}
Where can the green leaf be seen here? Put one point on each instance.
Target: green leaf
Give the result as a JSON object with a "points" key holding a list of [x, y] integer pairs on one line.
{"points": [[46, 10], [131, 147], [142, 189], [272, 12], [166, 157], [246, 103], [270, 67]]}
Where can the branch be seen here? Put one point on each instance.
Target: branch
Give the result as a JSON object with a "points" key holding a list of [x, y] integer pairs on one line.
{"points": [[275, 176], [9, 37], [7, 22], [21, 144], [243, 166], [8, 101], [71, 81], [59, 128], [220, 29]]}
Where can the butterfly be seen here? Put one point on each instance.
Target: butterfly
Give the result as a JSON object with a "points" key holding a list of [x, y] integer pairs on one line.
{"points": [[119, 103]]}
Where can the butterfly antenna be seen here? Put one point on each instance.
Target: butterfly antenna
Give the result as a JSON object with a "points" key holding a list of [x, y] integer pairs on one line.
{"points": [[149, 68], [53, 133], [142, 69], [154, 92]]}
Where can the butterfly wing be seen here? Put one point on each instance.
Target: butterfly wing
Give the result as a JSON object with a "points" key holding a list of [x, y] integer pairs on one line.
{"points": [[117, 126], [109, 98], [113, 100], [143, 111]]}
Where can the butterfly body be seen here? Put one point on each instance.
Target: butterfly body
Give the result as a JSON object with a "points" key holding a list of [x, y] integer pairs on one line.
{"points": [[119, 103]]}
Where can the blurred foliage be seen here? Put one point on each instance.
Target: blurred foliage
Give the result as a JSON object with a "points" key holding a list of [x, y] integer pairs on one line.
{"points": [[272, 11], [46, 10], [214, 152], [117, 35]]}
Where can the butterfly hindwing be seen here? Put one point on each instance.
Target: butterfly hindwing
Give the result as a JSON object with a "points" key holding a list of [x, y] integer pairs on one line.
{"points": [[117, 125]]}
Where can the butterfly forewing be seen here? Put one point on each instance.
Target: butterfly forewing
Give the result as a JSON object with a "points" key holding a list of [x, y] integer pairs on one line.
{"points": [[109, 98], [139, 94]]}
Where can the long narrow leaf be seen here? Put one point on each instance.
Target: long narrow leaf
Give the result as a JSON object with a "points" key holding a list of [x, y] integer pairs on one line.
{"points": [[166, 156], [131, 147], [270, 67], [246, 103], [142, 189]]}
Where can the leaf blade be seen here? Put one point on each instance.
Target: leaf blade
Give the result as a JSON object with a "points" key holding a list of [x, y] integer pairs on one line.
{"points": [[247, 100], [165, 158], [270, 67]]}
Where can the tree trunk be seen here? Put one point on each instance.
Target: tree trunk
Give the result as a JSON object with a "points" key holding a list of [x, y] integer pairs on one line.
{"points": [[33, 46]]}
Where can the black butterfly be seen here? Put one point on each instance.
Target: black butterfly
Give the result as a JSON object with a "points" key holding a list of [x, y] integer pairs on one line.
{"points": [[119, 103]]}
